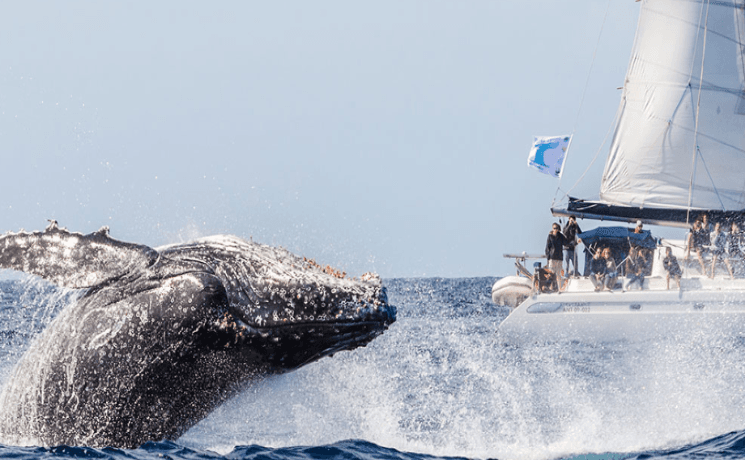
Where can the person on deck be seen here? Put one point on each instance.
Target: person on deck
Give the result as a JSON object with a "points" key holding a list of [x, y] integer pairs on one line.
{"points": [[636, 266], [611, 270], [670, 264], [554, 251], [597, 270], [734, 250], [571, 230], [705, 224], [718, 241], [640, 250], [639, 227], [696, 240]]}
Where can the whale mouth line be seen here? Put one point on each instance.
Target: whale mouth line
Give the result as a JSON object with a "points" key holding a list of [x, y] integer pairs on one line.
{"points": [[315, 340], [381, 324]]}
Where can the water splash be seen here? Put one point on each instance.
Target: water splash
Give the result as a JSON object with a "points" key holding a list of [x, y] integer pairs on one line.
{"points": [[439, 383], [27, 305]]}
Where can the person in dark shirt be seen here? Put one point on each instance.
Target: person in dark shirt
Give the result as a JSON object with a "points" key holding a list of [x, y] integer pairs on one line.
{"points": [[571, 230], [635, 267], [554, 251], [706, 226], [670, 264], [597, 270], [697, 239], [641, 251]]}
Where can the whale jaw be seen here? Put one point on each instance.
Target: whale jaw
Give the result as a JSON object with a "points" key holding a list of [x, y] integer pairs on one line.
{"points": [[289, 347]]}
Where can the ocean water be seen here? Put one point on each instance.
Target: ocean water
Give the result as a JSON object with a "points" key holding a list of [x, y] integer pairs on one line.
{"points": [[440, 384]]}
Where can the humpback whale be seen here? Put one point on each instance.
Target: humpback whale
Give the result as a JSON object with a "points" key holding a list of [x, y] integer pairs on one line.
{"points": [[162, 336]]}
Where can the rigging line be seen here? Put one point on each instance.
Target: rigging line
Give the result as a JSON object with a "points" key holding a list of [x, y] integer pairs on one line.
{"points": [[698, 108], [714, 186], [682, 127], [584, 92], [592, 64], [597, 152]]}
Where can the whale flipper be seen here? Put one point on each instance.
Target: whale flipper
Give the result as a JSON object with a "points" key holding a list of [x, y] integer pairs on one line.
{"points": [[73, 260]]}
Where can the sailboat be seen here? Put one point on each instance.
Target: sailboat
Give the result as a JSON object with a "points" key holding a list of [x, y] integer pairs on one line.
{"points": [[677, 153]]}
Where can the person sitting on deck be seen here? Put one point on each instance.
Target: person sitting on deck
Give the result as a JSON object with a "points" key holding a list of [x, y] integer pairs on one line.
{"points": [[718, 241], [641, 251], [611, 270], [597, 270], [635, 268], [545, 280], [670, 264], [695, 241]]}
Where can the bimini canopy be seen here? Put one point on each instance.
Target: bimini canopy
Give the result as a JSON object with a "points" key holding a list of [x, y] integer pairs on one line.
{"points": [[618, 236]]}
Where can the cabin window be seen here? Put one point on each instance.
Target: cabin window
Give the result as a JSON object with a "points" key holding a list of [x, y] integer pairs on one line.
{"points": [[544, 307]]}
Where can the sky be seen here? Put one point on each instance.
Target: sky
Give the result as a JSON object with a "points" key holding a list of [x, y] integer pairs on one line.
{"points": [[388, 136]]}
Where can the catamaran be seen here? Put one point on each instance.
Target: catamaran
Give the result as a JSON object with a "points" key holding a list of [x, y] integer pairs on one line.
{"points": [[677, 153]]}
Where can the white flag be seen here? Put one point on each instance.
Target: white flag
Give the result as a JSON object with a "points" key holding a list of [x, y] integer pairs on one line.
{"points": [[548, 154]]}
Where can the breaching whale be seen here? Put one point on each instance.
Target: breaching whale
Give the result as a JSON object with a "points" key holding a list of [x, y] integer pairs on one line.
{"points": [[163, 336]]}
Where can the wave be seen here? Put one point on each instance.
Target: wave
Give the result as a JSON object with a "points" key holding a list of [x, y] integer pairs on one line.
{"points": [[725, 447]]}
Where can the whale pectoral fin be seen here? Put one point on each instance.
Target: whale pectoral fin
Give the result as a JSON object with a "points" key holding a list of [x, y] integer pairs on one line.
{"points": [[72, 260]]}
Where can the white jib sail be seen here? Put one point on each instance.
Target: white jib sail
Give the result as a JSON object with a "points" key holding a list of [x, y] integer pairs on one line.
{"points": [[680, 137]]}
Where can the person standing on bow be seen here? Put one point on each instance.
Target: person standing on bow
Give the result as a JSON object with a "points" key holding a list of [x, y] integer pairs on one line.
{"points": [[554, 251], [571, 230]]}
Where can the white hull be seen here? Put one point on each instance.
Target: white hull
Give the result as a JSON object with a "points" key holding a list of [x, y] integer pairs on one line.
{"points": [[702, 306]]}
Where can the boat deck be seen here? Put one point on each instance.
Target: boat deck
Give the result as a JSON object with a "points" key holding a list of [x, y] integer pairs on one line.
{"points": [[658, 283]]}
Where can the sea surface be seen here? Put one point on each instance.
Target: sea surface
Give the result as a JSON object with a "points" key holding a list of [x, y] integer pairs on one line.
{"points": [[440, 384]]}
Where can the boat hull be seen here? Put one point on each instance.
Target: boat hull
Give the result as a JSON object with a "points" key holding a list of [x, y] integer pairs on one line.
{"points": [[597, 317]]}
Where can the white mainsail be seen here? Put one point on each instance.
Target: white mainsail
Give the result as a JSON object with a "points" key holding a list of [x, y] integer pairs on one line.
{"points": [[680, 137]]}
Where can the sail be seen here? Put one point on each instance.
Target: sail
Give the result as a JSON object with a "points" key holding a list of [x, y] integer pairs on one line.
{"points": [[679, 141]]}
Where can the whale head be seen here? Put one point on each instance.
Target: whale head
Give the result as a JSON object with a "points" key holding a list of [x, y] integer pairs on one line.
{"points": [[291, 308]]}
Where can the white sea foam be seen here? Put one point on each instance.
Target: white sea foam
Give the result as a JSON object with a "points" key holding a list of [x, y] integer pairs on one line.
{"points": [[437, 382]]}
